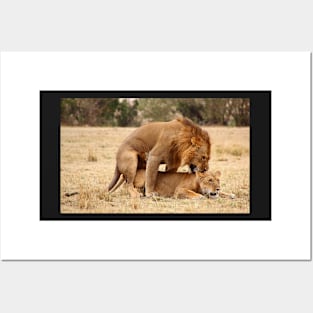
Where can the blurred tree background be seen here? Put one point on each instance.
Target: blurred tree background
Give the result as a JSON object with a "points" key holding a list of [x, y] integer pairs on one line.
{"points": [[135, 112]]}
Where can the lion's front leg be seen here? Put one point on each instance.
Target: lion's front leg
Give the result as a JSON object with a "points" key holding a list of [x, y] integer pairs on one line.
{"points": [[151, 174], [184, 193], [226, 195]]}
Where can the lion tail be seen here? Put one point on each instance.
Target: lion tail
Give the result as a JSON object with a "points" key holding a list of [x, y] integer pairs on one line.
{"points": [[115, 178], [119, 183]]}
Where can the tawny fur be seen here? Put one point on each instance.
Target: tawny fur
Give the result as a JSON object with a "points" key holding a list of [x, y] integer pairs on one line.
{"points": [[176, 143], [183, 185]]}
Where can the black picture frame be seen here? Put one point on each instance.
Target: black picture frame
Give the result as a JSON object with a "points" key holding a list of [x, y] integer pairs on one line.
{"points": [[260, 154]]}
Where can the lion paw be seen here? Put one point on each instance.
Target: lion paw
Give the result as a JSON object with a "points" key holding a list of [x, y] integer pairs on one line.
{"points": [[152, 194]]}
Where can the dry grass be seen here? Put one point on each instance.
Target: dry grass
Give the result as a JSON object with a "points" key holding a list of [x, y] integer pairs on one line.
{"points": [[92, 157], [88, 162]]}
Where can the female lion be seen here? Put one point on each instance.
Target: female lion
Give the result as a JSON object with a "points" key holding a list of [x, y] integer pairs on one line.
{"points": [[183, 185]]}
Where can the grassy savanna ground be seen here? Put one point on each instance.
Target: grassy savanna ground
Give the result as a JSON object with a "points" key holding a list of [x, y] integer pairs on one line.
{"points": [[88, 162]]}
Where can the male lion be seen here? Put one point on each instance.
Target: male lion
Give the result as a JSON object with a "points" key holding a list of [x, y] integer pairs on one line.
{"points": [[176, 143], [183, 185]]}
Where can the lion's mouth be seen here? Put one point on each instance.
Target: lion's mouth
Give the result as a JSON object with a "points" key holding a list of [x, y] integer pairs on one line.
{"points": [[193, 168]]}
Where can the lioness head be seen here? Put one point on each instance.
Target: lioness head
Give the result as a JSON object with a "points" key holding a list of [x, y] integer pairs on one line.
{"points": [[209, 183]]}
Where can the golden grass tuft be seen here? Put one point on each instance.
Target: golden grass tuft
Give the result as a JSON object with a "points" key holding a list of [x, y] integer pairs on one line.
{"points": [[92, 156]]}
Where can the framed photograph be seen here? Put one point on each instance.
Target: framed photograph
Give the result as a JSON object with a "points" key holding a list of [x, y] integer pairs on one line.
{"points": [[86, 130], [69, 119]]}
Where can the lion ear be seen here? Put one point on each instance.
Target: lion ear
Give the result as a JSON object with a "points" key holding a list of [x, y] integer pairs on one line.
{"points": [[193, 141], [218, 173]]}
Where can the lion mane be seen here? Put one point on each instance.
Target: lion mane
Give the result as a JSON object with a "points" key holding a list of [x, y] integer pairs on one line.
{"points": [[189, 133]]}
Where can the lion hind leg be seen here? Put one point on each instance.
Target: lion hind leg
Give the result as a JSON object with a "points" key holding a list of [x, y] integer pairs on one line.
{"points": [[128, 167], [184, 193]]}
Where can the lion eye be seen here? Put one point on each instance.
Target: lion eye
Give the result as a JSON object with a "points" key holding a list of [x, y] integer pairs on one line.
{"points": [[211, 180], [203, 158]]}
